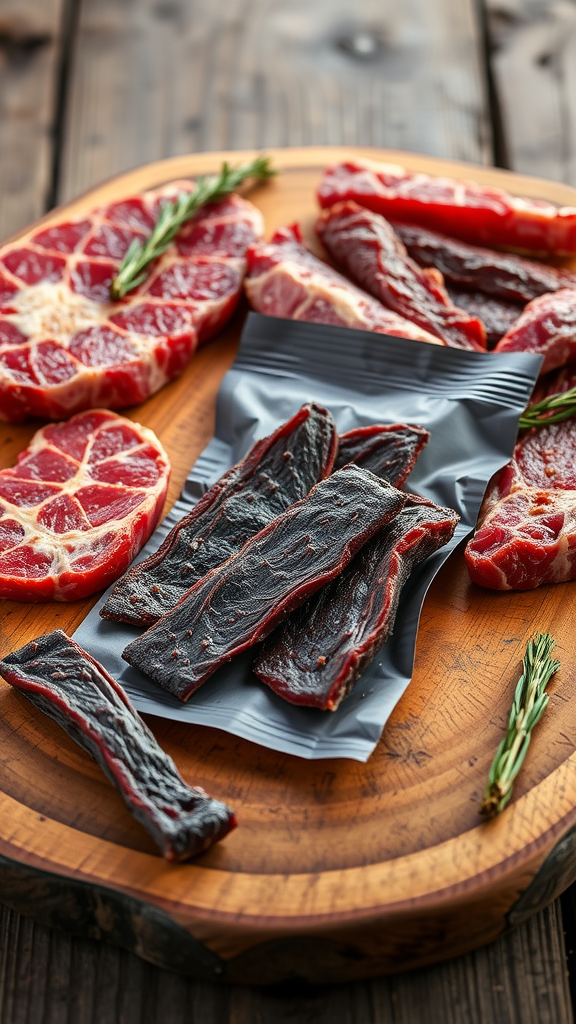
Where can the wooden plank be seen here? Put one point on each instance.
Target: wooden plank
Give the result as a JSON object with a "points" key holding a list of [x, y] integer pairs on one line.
{"points": [[55, 978], [534, 65], [29, 54], [152, 79]]}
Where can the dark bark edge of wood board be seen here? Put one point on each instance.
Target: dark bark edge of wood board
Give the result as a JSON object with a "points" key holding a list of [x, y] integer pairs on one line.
{"points": [[339, 870]]}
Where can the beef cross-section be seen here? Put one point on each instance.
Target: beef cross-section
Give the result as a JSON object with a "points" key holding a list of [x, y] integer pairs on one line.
{"points": [[242, 600], [276, 472], [318, 654], [65, 346], [66, 683]]}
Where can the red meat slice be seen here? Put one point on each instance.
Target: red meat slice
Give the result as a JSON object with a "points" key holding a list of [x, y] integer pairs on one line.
{"points": [[64, 346], [526, 532], [286, 280], [365, 245], [78, 506], [547, 326], [475, 213]]}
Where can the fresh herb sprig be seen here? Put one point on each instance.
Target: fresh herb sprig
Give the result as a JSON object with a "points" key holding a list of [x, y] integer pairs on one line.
{"points": [[174, 213], [554, 409], [530, 700]]}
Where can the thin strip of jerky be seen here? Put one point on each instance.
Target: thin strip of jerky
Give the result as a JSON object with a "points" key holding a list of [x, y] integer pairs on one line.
{"points": [[485, 270], [388, 451], [496, 314], [367, 248], [69, 686], [243, 600], [318, 654], [276, 472]]}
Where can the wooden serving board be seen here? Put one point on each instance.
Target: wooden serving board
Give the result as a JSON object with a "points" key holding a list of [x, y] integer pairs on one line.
{"points": [[338, 870]]}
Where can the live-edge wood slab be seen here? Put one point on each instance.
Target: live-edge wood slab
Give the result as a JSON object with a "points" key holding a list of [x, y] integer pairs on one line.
{"points": [[338, 870]]}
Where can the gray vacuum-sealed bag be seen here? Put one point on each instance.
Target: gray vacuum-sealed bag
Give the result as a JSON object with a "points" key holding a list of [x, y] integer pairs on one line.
{"points": [[470, 403]]}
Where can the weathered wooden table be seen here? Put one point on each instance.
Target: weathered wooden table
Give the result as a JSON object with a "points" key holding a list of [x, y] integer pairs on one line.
{"points": [[92, 87]]}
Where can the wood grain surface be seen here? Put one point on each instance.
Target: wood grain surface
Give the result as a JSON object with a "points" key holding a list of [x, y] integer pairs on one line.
{"points": [[56, 979], [339, 870]]}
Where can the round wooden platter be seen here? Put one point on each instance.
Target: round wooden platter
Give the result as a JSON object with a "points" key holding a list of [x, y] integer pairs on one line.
{"points": [[338, 870]]}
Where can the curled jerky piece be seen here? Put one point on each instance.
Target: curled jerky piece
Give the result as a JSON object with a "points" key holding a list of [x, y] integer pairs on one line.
{"points": [[476, 213], [69, 686], [388, 451], [318, 654], [366, 246], [285, 279], [504, 275], [242, 600], [276, 472], [548, 327]]}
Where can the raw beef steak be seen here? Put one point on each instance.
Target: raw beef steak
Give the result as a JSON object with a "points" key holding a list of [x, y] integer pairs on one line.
{"points": [[286, 280], [547, 326], [526, 533], [480, 214], [64, 346], [366, 247], [78, 506]]}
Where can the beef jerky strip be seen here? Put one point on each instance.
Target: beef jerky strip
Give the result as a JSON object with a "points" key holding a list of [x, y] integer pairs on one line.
{"points": [[366, 247], [496, 314], [69, 686], [318, 654], [473, 267], [275, 473], [241, 601], [388, 451]]}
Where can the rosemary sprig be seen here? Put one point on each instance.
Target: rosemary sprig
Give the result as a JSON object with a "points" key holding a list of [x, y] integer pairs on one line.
{"points": [[553, 409], [174, 213], [530, 699]]}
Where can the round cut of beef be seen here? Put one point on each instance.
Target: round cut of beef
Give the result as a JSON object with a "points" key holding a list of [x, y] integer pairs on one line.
{"points": [[78, 505], [65, 346]]}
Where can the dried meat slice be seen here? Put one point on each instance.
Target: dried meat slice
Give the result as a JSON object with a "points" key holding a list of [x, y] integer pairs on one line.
{"points": [[68, 685], [77, 507], [366, 247], [388, 451], [526, 532], [497, 315], [286, 280], [64, 346], [479, 214], [547, 327], [317, 655], [275, 473], [243, 600], [503, 275]]}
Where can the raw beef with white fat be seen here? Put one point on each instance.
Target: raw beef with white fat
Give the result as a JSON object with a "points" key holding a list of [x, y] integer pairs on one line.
{"points": [[286, 280], [526, 532], [79, 504], [64, 346]]}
